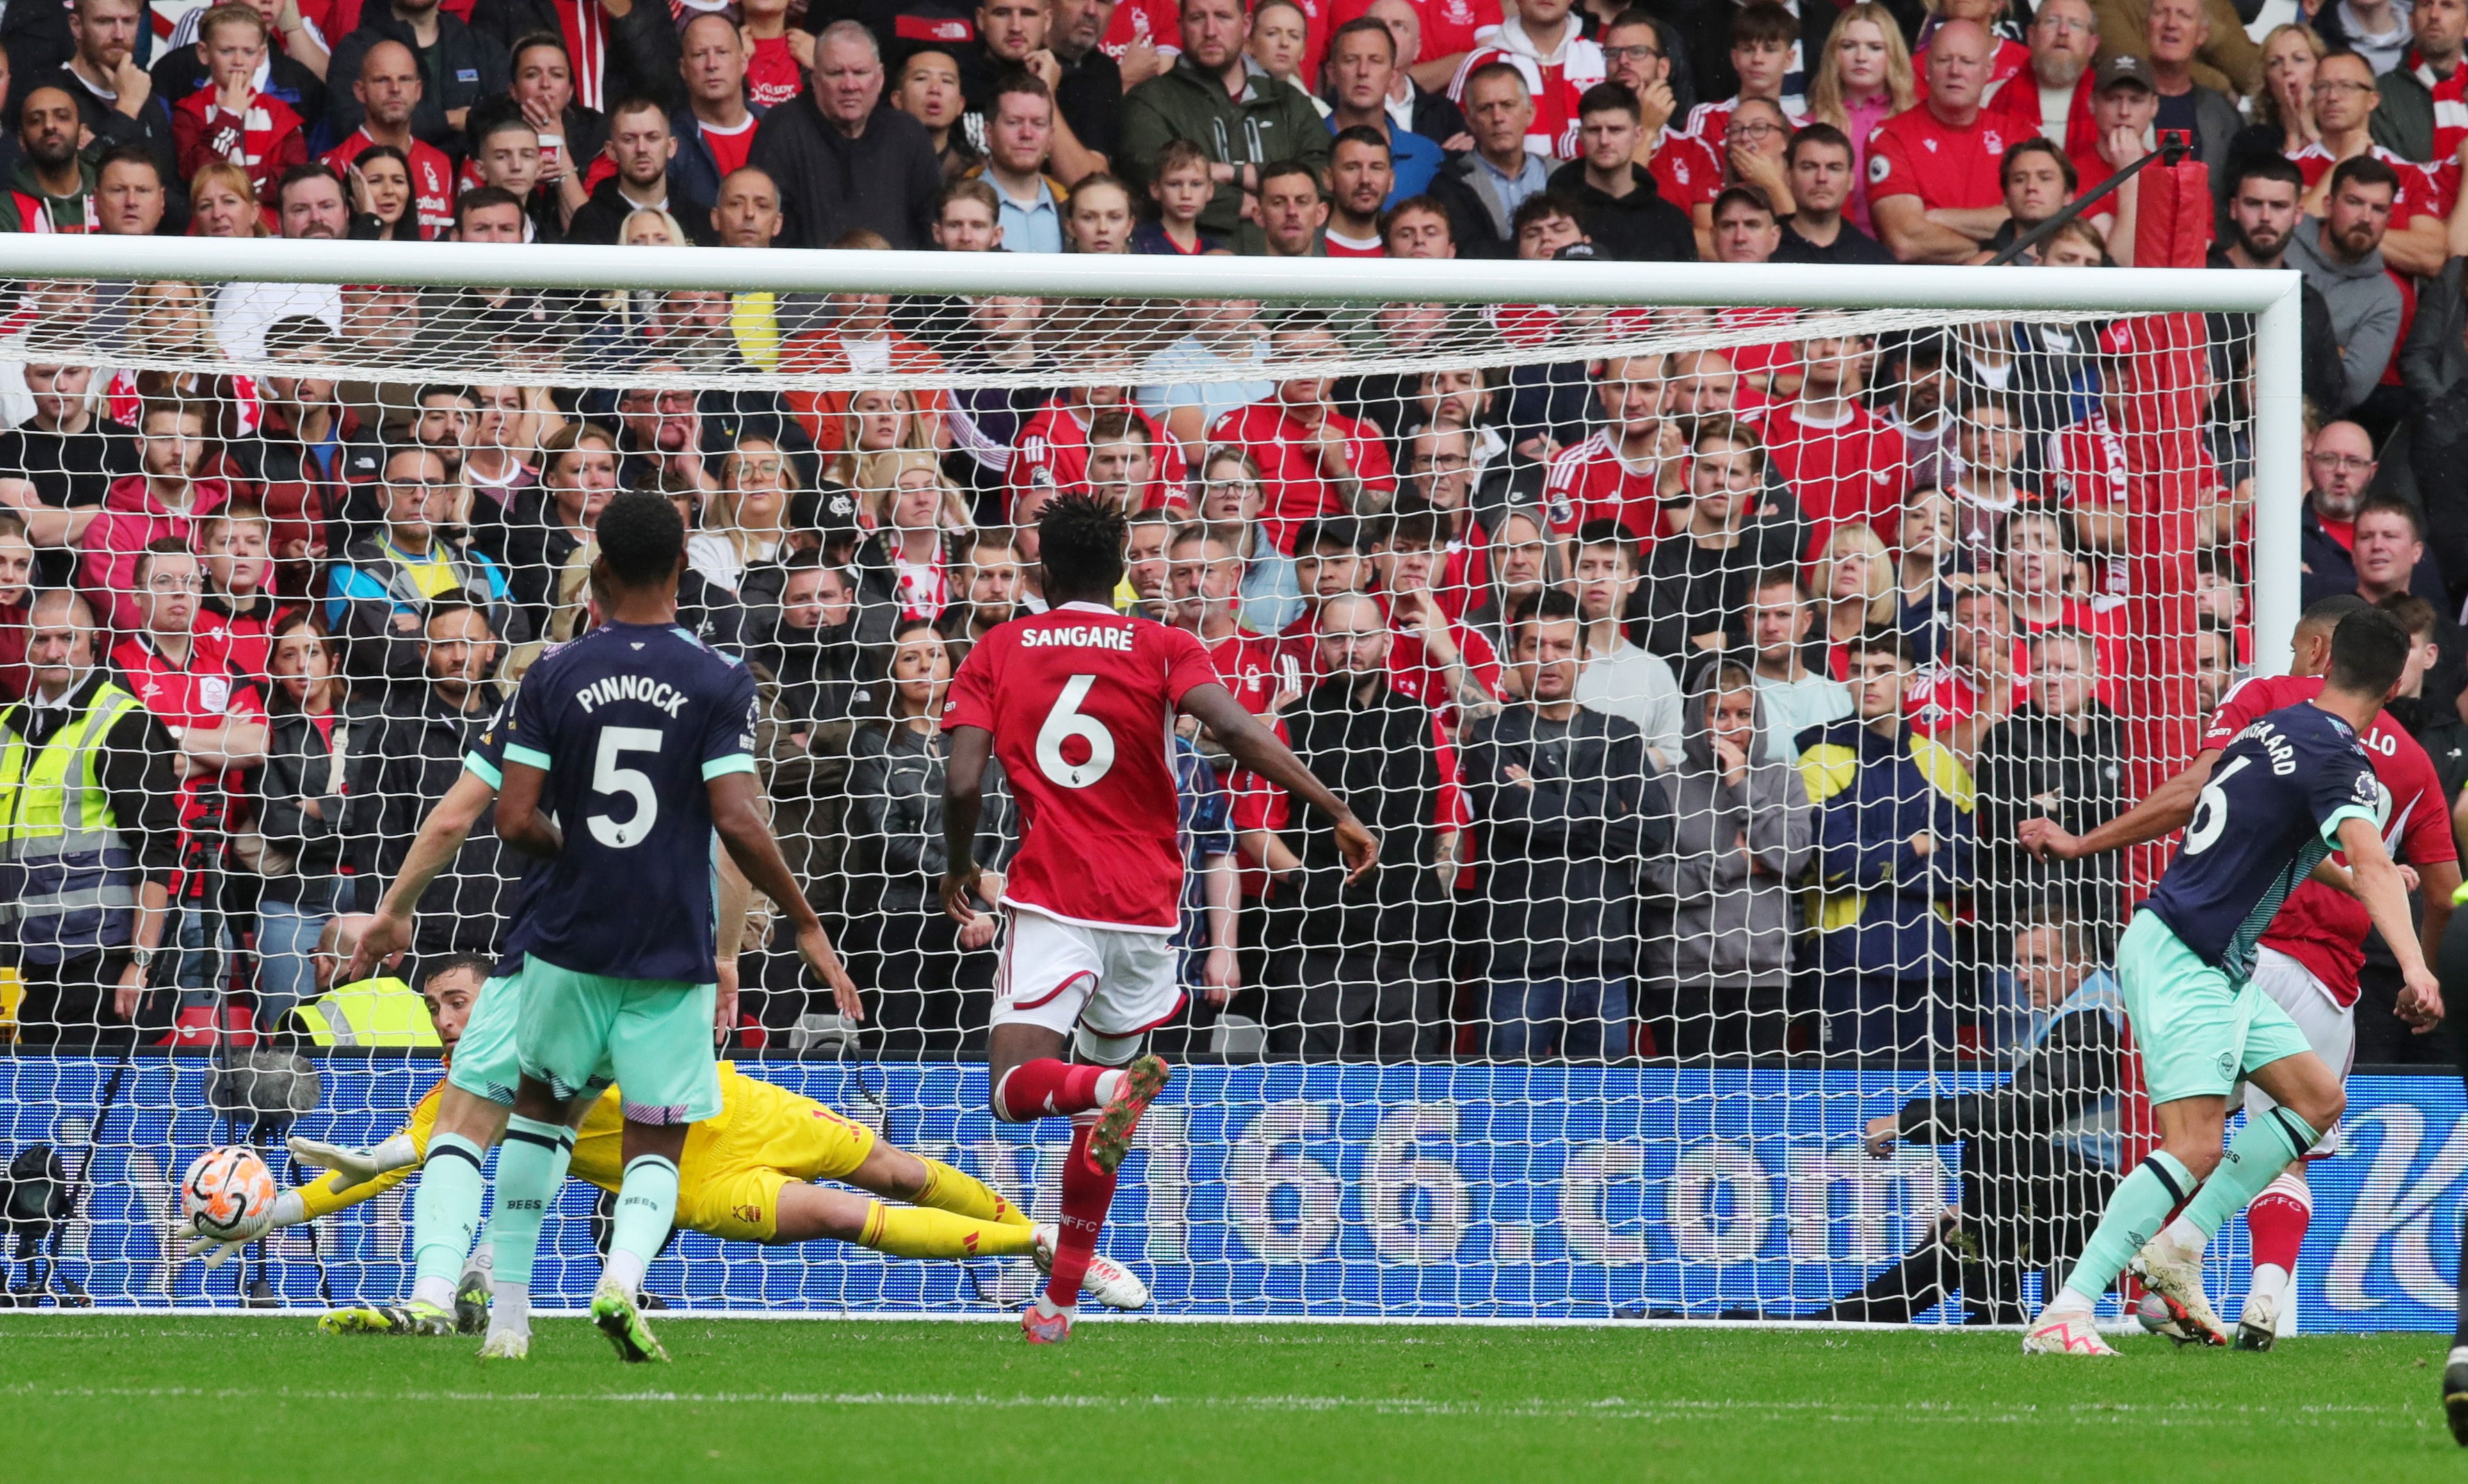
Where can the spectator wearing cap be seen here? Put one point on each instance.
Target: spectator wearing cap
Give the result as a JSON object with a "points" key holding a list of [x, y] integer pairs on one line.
{"points": [[2123, 105], [1820, 162], [1483, 187], [1625, 214], [1362, 70], [1933, 186], [843, 157], [1743, 226]]}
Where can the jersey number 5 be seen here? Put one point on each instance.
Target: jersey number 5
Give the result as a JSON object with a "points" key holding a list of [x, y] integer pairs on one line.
{"points": [[606, 777], [2211, 809], [1066, 720]]}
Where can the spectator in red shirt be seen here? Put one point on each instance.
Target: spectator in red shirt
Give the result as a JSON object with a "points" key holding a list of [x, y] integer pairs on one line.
{"points": [[1207, 576], [1123, 461], [16, 604], [389, 88], [2417, 241], [1977, 682], [2041, 564], [229, 119], [2053, 96], [213, 716], [237, 609], [1313, 459], [1841, 461], [1630, 465], [1446, 664], [166, 500], [1990, 440], [1052, 450], [1933, 186]]}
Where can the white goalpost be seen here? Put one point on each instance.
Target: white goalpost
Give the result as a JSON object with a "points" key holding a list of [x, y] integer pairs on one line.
{"points": [[1613, 1042]]}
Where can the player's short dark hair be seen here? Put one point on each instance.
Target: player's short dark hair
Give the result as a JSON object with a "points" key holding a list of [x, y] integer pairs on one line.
{"points": [[480, 965], [2328, 613], [1879, 639], [1329, 532], [2273, 165], [640, 537], [128, 154], [2413, 613], [1751, 196], [2368, 650], [481, 198], [295, 334], [1080, 543], [1780, 577], [312, 170]]}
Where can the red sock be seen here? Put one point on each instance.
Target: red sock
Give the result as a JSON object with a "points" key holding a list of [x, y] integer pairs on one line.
{"points": [[1046, 1088], [2277, 1223], [1087, 1192]]}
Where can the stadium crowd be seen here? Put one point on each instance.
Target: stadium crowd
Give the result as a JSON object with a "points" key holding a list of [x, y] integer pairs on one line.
{"points": [[1696, 697]]}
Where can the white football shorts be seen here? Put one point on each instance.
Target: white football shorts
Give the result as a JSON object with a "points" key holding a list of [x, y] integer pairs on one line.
{"points": [[1067, 976], [2329, 1027]]}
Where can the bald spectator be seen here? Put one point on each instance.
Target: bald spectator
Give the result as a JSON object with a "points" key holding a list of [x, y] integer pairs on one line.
{"points": [[1483, 187], [1932, 170], [629, 46], [715, 130], [460, 66], [845, 159], [1213, 97], [385, 95], [644, 149]]}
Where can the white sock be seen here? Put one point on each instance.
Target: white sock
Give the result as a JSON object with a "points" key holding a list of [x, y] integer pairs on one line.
{"points": [[2458, 1356], [1109, 1083], [1048, 1308], [483, 1260], [438, 1291], [2187, 1236], [2269, 1280], [2068, 1304], [624, 1269], [510, 1307]]}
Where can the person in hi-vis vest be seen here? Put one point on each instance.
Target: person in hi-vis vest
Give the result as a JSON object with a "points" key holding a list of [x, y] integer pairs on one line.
{"points": [[89, 837]]}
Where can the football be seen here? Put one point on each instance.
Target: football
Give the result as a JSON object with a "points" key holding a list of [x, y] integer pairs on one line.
{"points": [[228, 1193]]}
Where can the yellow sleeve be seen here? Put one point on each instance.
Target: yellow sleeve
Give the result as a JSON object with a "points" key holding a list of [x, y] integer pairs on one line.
{"points": [[321, 1198]]}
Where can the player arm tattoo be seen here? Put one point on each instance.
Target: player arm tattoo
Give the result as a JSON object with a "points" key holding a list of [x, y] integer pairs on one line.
{"points": [[520, 823]]}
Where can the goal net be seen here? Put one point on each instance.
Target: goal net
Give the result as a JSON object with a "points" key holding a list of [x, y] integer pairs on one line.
{"points": [[1697, 642]]}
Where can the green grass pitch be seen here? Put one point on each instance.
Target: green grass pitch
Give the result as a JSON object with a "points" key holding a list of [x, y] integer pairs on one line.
{"points": [[101, 1397]]}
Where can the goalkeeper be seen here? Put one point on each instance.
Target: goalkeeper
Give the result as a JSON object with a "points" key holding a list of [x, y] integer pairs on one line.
{"points": [[743, 1176]]}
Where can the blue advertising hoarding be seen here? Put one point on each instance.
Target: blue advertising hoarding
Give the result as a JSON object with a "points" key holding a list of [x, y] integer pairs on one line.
{"points": [[1323, 1190]]}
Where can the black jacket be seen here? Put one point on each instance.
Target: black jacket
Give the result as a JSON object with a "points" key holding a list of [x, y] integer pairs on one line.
{"points": [[2066, 1076], [1381, 759], [1693, 589], [695, 174], [530, 545], [894, 819], [885, 180], [463, 68], [1479, 226], [1638, 227], [601, 217], [1850, 245], [2032, 766], [403, 755], [300, 764], [1557, 862], [642, 47]]}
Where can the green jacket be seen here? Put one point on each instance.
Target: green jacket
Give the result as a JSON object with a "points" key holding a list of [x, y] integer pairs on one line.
{"points": [[2402, 122], [24, 199], [1271, 123]]}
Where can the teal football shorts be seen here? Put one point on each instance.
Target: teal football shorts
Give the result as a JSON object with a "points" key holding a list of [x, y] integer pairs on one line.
{"points": [[653, 1035], [2198, 1030]]}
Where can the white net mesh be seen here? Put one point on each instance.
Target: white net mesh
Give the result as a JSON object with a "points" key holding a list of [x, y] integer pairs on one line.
{"points": [[1696, 665]]}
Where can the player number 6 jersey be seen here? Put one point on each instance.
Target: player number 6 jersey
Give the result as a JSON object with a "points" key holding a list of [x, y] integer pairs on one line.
{"points": [[1081, 704]]}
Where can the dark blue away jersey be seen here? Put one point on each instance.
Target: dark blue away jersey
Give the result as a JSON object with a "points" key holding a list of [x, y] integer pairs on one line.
{"points": [[629, 722], [2269, 813]]}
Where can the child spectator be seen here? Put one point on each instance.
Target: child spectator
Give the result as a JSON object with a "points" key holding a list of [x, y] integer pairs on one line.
{"points": [[229, 117], [1181, 189]]}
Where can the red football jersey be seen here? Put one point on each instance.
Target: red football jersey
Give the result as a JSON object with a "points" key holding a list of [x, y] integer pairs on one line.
{"points": [[1686, 172], [1918, 153], [1851, 470], [2322, 926], [1249, 666], [432, 180], [729, 151], [1080, 702], [207, 691], [1053, 449], [1289, 472], [2420, 193], [773, 75], [1156, 22], [1590, 481], [1449, 27]]}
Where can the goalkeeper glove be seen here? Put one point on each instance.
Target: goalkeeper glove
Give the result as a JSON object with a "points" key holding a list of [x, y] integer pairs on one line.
{"points": [[287, 1210], [353, 1166]]}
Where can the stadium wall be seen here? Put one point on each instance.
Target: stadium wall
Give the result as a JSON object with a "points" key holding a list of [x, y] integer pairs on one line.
{"points": [[1288, 1191]]}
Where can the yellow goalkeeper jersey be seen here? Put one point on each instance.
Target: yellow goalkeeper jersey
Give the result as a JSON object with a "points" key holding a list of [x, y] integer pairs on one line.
{"points": [[729, 1179]]}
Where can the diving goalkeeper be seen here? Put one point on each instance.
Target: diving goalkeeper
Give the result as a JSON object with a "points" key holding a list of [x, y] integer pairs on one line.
{"points": [[745, 1176]]}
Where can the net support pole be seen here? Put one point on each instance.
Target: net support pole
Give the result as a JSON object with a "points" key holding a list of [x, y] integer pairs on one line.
{"points": [[2278, 479]]}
